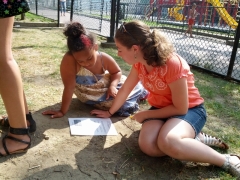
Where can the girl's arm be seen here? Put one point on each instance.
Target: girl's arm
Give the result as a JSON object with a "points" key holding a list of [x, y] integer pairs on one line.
{"points": [[121, 96], [179, 105], [115, 74], [195, 14], [68, 73]]}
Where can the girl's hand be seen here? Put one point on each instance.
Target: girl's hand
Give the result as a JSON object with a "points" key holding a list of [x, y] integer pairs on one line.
{"points": [[139, 116], [54, 114], [112, 91], [100, 113]]}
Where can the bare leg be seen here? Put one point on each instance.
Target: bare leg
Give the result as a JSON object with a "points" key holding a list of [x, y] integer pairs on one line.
{"points": [[190, 31], [11, 86], [187, 31], [176, 140], [4, 122], [148, 138], [25, 104], [64, 8]]}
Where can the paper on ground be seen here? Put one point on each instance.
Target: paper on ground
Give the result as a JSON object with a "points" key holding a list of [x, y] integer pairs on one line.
{"points": [[91, 126]]}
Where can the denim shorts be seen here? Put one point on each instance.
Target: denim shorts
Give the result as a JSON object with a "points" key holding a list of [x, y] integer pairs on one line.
{"points": [[195, 116]]}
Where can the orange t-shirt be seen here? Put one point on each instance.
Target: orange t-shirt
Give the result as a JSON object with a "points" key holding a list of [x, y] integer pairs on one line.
{"points": [[156, 82]]}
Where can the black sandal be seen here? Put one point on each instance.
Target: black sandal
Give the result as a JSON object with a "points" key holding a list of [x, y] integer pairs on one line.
{"points": [[32, 128], [17, 131], [4, 122]]}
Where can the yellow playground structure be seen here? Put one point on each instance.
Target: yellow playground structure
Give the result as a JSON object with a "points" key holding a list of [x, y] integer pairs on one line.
{"points": [[176, 12]]}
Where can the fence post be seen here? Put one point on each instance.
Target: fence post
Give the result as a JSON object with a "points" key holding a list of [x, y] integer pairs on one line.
{"points": [[118, 13], [36, 4], [234, 51], [112, 21], [101, 16], [71, 15], [58, 14]]}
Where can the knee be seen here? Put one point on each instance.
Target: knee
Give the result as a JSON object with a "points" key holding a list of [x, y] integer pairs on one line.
{"points": [[146, 149], [149, 147], [169, 145]]}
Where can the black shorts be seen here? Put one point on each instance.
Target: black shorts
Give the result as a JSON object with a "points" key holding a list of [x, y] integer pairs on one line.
{"points": [[10, 8]]}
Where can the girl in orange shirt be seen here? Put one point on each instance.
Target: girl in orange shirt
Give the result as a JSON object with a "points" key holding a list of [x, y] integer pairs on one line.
{"points": [[177, 114]]}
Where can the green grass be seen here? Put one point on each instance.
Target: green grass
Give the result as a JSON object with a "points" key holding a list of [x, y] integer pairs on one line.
{"points": [[113, 52], [222, 98], [30, 17]]}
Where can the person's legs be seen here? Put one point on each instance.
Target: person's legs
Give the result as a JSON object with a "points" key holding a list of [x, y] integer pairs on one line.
{"points": [[4, 122], [31, 124], [11, 87], [176, 140], [148, 138], [190, 31], [64, 8], [61, 7], [189, 21], [186, 31], [201, 136], [190, 24]]}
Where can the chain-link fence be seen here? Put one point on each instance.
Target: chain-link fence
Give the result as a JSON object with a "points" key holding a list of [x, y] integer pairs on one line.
{"points": [[93, 14], [214, 31], [46, 8], [214, 47]]}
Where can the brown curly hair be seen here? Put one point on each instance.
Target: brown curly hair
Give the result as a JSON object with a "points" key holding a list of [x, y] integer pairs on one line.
{"points": [[78, 37], [154, 44]]}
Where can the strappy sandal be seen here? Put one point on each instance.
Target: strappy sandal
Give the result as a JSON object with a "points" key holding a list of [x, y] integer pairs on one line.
{"points": [[233, 169], [17, 131], [212, 141], [4, 122]]}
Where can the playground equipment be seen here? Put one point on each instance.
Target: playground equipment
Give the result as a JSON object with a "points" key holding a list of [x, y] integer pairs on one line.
{"points": [[149, 10], [223, 13], [176, 12]]}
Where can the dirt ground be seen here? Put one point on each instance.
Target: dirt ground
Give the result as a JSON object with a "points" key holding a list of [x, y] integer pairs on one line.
{"points": [[63, 156]]}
